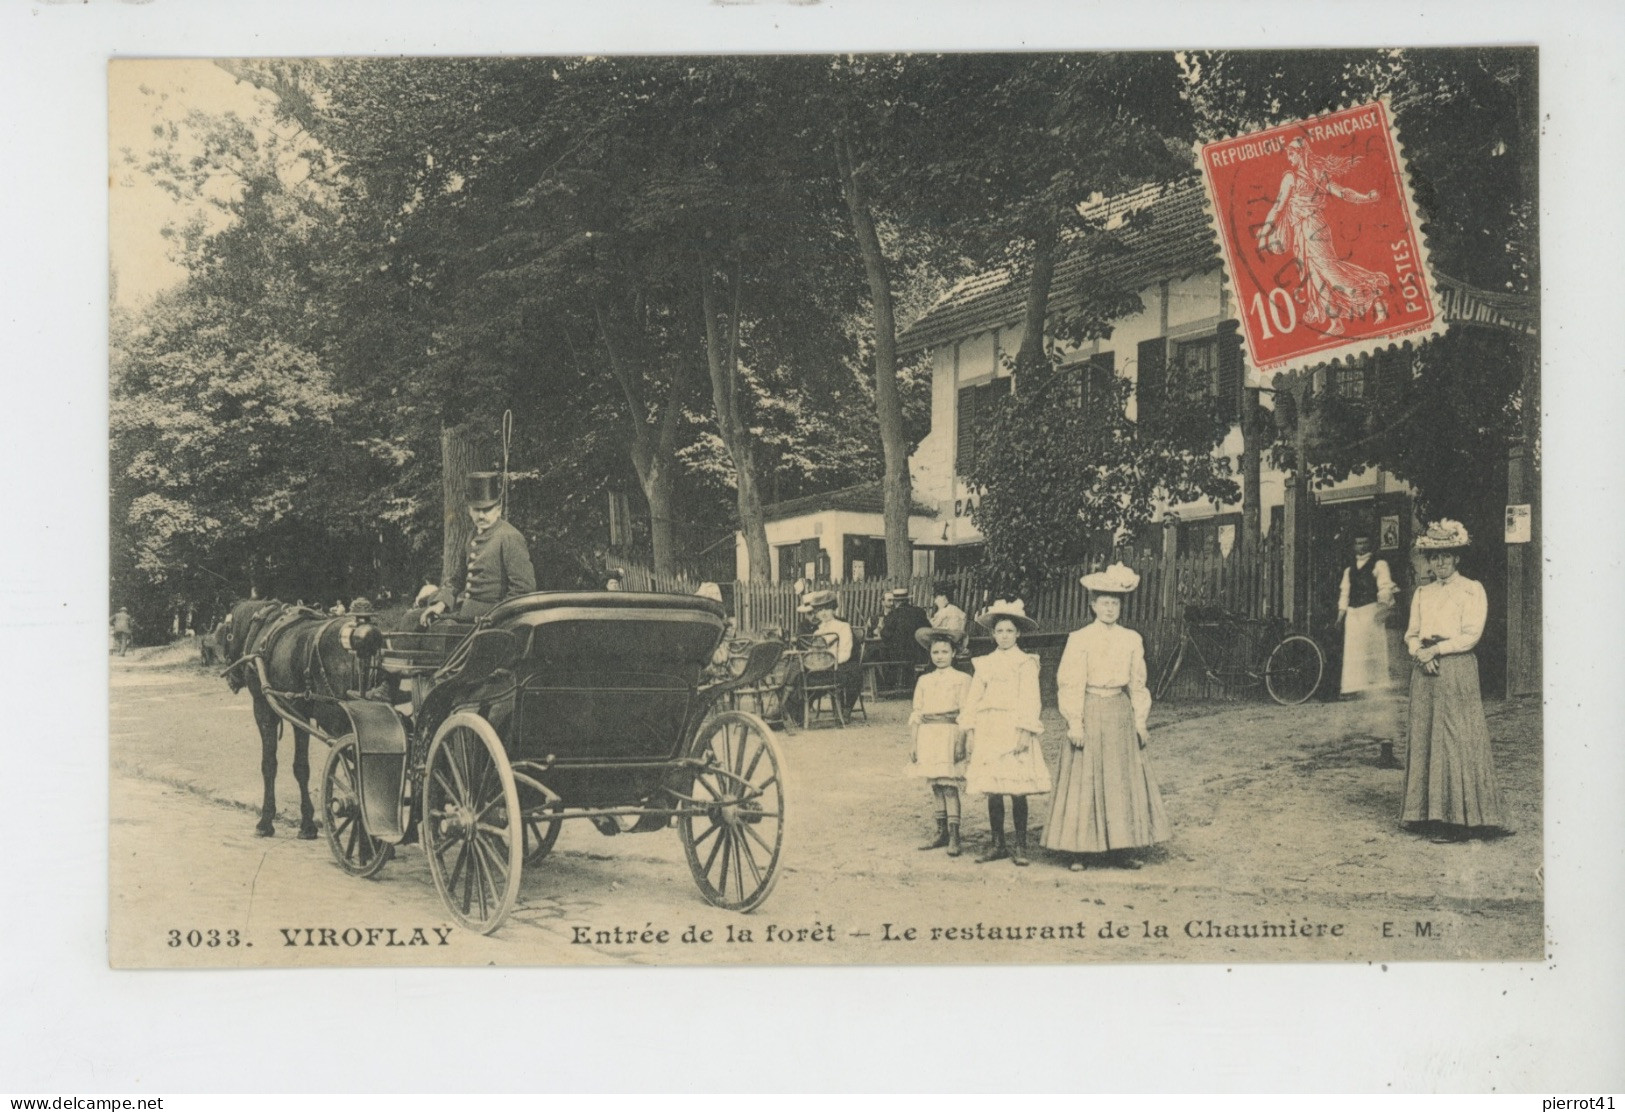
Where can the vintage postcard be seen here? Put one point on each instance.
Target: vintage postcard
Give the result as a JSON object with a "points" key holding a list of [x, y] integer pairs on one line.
{"points": [[811, 510]]}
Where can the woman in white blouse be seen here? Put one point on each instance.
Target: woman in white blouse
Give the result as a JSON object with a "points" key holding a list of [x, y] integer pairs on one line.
{"points": [[1450, 786], [1106, 799]]}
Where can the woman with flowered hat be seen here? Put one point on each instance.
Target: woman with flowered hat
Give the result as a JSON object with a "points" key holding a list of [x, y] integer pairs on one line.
{"points": [[938, 752], [1450, 785], [1106, 799], [1000, 715]]}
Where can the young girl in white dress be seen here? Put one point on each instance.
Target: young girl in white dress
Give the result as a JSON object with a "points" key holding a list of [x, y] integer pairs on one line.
{"points": [[1000, 716], [1106, 800], [939, 743]]}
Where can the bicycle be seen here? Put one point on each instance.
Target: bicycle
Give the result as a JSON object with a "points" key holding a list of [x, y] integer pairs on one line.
{"points": [[1230, 651]]}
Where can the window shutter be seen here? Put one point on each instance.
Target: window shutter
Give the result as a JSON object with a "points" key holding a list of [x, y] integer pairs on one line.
{"points": [[1097, 379], [1231, 378], [965, 431], [1393, 374], [1153, 378]]}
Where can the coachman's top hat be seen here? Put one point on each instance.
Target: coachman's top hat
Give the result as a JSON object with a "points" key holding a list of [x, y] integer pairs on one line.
{"points": [[483, 489]]}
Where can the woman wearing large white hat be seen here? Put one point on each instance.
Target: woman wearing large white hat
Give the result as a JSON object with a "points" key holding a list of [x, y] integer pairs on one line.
{"points": [[1106, 799], [1000, 715], [1450, 785]]}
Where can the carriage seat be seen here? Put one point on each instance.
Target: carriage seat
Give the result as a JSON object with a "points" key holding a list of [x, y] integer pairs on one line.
{"points": [[421, 653]]}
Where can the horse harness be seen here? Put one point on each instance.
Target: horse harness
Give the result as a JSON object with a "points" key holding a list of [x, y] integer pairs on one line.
{"points": [[263, 628]]}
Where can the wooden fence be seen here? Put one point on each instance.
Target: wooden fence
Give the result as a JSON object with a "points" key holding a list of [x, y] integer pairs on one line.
{"points": [[1247, 586]]}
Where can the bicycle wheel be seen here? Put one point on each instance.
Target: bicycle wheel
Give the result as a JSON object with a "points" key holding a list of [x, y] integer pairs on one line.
{"points": [[1165, 678], [1294, 670]]}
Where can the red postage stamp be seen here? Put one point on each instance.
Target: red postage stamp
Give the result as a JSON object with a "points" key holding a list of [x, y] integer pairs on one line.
{"points": [[1320, 239]]}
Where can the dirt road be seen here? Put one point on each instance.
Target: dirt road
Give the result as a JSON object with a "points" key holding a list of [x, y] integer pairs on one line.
{"points": [[1285, 848]]}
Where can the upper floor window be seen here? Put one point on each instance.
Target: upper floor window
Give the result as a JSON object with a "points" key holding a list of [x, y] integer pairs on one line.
{"points": [[1088, 382], [975, 408], [1195, 366]]}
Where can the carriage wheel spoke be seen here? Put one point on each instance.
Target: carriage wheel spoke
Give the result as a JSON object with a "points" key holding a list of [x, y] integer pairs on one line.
{"points": [[739, 871], [485, 879], [754, 761], [750, 831], [715, 849], [726, 844], [710, 830], [486, 810], [457, 865], [470, 875], [738, 750], [445, 785], [455, 758]]}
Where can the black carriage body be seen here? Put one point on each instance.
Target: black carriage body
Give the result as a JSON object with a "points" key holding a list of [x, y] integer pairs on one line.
{"points": [[562, 706], [606, 688]]}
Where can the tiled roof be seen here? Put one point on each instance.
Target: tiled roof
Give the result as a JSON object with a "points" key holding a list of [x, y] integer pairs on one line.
{"points": [[1176, 241], [865, 498]]}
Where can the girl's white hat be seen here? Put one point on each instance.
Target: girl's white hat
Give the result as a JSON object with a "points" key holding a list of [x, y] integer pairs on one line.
{"points": [[1015, 610], [930, 635], [711, 591], [1444, 533], [1119, 579]]}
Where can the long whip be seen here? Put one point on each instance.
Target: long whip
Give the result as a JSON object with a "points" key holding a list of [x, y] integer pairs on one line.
{"points": [[507, 443]]}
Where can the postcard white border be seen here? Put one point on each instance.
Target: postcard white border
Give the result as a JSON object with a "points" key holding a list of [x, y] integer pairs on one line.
{"points": [[73, 1025]]}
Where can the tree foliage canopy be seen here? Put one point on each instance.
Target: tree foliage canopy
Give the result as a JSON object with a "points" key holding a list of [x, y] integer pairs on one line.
{"points": [[669, 270]]}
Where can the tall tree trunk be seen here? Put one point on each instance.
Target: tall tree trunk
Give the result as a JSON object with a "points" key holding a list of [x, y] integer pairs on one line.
{"points": [[722, 360], [458, 456], [653, 443], [1032, 353], [897, 488]]}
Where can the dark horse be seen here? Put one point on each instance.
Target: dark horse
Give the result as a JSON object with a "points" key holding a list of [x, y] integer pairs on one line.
{"points": [[302, 658]]}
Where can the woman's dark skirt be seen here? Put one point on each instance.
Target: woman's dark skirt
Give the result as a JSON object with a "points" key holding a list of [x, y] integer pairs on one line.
{"points": [[1449, 772]]}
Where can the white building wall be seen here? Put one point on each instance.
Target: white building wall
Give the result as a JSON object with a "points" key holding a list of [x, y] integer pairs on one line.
{"points": [[831, 528], [1184, 308]]}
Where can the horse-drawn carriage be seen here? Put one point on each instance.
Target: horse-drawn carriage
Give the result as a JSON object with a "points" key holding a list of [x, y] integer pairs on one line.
{"points": [[554, 706]]}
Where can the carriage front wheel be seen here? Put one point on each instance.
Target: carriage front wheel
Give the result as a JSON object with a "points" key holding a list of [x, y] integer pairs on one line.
{"points": [[472, 823], [732, 824], [357, 852], [1293, 670]]}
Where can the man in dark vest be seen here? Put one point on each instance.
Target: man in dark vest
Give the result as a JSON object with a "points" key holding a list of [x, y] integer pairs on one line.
{"points": [[1364, 598], [498, 566], [902, 651]]}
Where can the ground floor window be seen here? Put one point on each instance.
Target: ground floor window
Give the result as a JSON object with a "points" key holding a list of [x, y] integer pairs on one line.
{"points": [[863, 558], [805, 559]]}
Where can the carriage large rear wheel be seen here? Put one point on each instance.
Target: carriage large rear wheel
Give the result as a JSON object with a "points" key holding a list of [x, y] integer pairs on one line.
{"points": [[357, 852], [733, 826], [540, 832], [472, 828]]}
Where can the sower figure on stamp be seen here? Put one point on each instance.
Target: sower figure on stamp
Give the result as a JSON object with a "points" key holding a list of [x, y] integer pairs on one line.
{"points": [[498, 566], [1364, 599]]}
